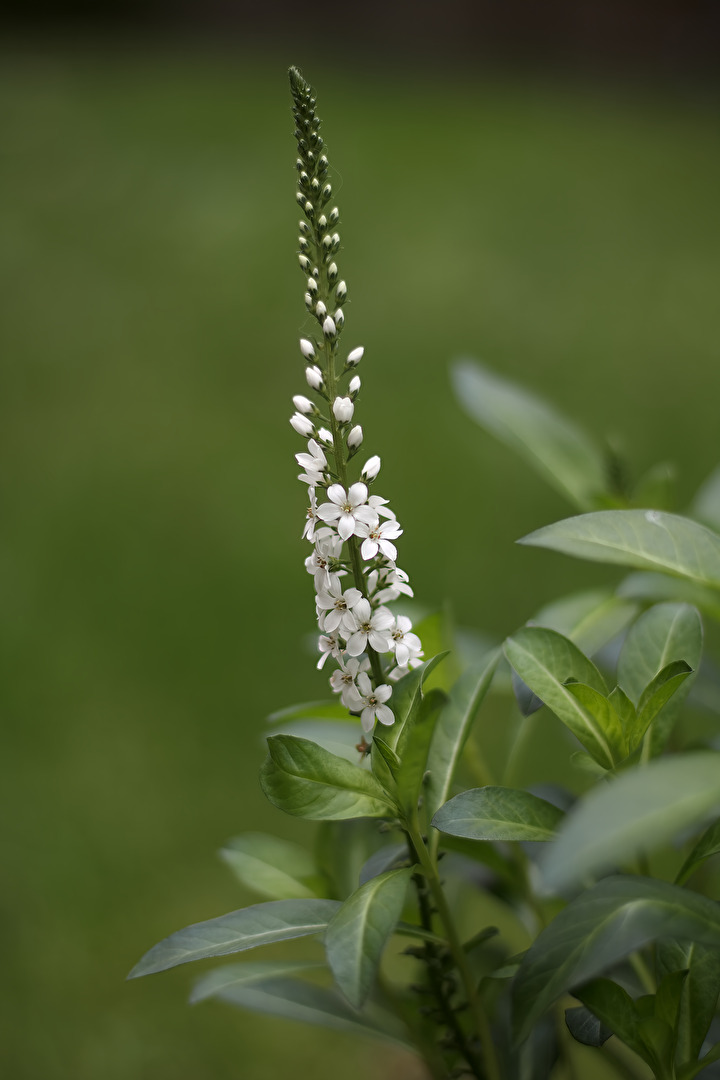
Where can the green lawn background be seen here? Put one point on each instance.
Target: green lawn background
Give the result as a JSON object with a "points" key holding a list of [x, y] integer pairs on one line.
{"points": [[155, 601]]}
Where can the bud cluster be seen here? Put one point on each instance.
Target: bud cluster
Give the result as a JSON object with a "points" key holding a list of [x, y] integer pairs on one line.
{"points": [[353, 562]]}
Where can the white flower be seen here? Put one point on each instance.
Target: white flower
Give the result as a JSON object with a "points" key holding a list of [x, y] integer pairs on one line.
{"points": [[329, 645], [355, 356], [338, 605], [342, 681], [369, 628], [355, 384], [348, 508], [378, 504], [314, 463], [328, 548], [302, 404], [325, 436], [371, 468], [378, 537], [355, 437], [389, 582], [302, 425], [343, 409], [373, 702], [314, 377], [307, 349], [406, 646], [329, 328], [401, 672], [309, 530]]}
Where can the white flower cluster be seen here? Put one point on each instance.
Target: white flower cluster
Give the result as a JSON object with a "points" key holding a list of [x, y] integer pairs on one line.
{"points": [[353, 534]]}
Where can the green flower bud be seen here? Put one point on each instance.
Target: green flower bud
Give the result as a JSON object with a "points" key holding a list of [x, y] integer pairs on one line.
{"points": [[334, 216], [332, 272], [326, 193], [322, 221], [340, 291]]}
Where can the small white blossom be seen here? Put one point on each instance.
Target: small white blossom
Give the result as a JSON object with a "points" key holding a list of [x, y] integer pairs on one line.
{"points": [[355, 384], [314, 463], [348, 508], [309, 530], [329, 645], [342, 681], [307, 349], [328, 548], [335, 606], [378, 538], [356, 356], [329, 329], [302, 404], [355, 437], [370, 627], [302, 425], [325, 436], [371, 468], [343, 409], [314, 377], [373, 702], [407, 646], [379, 505]]}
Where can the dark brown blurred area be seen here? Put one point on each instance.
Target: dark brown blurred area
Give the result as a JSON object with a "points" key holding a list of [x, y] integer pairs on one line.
{"points": [[670, 37]]}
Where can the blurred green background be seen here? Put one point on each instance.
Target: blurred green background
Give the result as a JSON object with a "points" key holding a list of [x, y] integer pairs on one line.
{"points": [[563, 230]]}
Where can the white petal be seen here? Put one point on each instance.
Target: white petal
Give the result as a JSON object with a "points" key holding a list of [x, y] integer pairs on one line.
{"points": [[328, 512], [380, 642], [336, 494], [357, 494], [389, 550], [356, 644], [364, 684], [362, 610], [385, 715], [367, 719], [368, 549], [346, 525]]}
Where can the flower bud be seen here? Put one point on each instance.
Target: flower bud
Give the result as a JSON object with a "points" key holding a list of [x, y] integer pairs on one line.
{"points": [[315, 185], [303, 243], [322, 221], [309, 209], [323, 164], [355, 385], [329, 329], [312, 286], [307, 348], [343, 409], [304, 227], [314, 377], [302, 425], [303, 404], [308, 300], [355, 437], [334, 216], [335, 242], [341, 291], [326, 193], [320, 310], [325, 436], [332, 272], [371, 468], [304, 263], [339, 318], [304, 179], [355, 356], [301, 199], [327, 241]]}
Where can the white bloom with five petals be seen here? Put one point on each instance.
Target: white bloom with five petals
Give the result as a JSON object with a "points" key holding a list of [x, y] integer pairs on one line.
{"points": [[348, 508], [406, 646], [373, 703], [378, 538], [369, 627], [334, 607]]}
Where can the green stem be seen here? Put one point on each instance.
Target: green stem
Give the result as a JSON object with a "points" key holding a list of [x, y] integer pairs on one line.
{"points": [[492, 1069]]}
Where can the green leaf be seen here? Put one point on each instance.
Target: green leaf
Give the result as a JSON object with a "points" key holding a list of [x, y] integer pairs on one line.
{"points": [[589, 619], [602, 926], [699, 991], [341, 850], [616, 1010], [606, 718], [625, 710], [559, 450], [452, 730], [389, 758], [647, 539], [657, 487], [498, 813], [306, 781], [706, 504], [656, 695], [220, 979], [310, 710], [545, 661], [272, 867], [261, 924], [666, 632], [336, 736], [360, 930], [413, 746], [585, 1027], [385, 858], [406, 697], [638, 811], [707, 845], [647, 586], [293, 999]]}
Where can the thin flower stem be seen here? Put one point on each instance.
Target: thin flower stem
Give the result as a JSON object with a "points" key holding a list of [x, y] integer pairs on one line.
{"points": [[492, 1069]]}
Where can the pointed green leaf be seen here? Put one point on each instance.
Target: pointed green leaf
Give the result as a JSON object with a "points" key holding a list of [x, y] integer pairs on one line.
{"points": [[306, 781], [385, 858], [545, 661], [666, 632], [273, 867], [589, 619], [602, 926], [647, 586], [498, 813], [413, 746], [624, 708], [699, 993], [339, 737], [638, 811], [293, 999], [229, 975], [648, 539], [707, 845], [406, 697], [606, 718], [585, 1027], [706, 504], [261, 924], [389, 757], [559, 450], [452, 730], [656, 695], [360, 930]]}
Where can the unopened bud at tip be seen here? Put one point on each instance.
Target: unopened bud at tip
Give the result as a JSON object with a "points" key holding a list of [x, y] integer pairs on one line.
{"points": [[356, 356], [307, 349], [343, 409], [302, 404], [371, 468], [302, 425], [329, 328], [355, 385], [355, 437], [314, 377]]}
